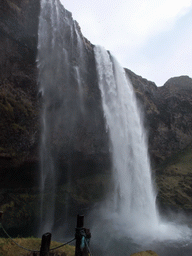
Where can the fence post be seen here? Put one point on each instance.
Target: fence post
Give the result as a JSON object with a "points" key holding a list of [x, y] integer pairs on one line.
{"points": [[79, 228], [45, 244], [1, 213]]}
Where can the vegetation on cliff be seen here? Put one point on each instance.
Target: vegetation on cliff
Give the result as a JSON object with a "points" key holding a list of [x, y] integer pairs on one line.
{"points": [[174, 180]]}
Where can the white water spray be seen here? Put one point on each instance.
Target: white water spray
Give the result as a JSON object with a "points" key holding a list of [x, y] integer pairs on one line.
{"points": [[131, 207], [60, 58]]}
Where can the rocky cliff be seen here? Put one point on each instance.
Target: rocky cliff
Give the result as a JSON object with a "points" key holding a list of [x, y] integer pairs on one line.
{"points": [[167, 114], [19, 105]]}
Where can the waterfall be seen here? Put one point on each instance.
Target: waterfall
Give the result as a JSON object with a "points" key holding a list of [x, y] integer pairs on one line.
{"points": [[133, 194], [130, 208], [59, 61], [72, 122]]}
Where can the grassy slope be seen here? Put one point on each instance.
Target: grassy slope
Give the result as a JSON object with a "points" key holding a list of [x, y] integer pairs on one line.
{"points": [[174, 180], [8, 248]]}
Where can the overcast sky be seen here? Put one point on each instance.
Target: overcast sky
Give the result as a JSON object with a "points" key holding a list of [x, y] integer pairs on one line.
{"points": [[153, 38]]}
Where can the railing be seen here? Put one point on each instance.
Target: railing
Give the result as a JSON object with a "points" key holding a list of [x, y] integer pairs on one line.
{"points": [[82, 237]]}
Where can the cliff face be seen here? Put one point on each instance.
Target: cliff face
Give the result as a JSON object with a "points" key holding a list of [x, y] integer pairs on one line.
{"points": [[167, 114], [86, 151], [19, 106], [167, 110], [175, 104]]}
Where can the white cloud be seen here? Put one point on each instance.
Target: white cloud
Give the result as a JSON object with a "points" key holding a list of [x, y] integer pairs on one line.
{"points": [[136, 18], [181, 59], [166, 56]]}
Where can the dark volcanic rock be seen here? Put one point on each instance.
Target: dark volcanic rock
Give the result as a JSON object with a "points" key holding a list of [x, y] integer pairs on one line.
{"points": [[167, 114], [19, 105], [175, 103]]}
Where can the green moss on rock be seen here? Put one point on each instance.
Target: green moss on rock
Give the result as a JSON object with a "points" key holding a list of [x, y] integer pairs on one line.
{"points": [[174, 180]]}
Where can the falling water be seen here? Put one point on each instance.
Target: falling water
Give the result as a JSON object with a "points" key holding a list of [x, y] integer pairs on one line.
{"points": [[130, 208], [60, 58], [133, 194]]}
